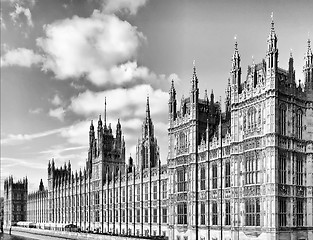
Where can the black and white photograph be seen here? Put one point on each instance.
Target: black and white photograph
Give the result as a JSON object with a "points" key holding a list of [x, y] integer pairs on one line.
{"points": [[156, 119]]}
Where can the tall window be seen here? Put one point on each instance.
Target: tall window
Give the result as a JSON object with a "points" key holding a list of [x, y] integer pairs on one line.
{"points": [[182, 213], [228, 213], [116, 196], [181, 180], [282, 168], [182, 140], [252, 212], [146, 191], [164, 189], [138, 215], [214, 214], [299, 212], [299, 124], [123, 194], [130, 215], [282, 217], [300, 173], [155, 190], [282, 120], [96, 198], [146, 215], [123, 215], [164, 215], [202, 213], [130, 194], [116, 216], [252, 170], [202, 178], [227, 174], [155, 215], [138, 192], [214, 175]]}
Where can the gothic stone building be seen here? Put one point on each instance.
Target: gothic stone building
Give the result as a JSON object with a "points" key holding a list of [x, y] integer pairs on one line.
{"points": [[246, 173], [15, 201]]}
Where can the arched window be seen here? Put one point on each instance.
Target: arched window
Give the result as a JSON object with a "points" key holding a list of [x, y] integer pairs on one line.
{"points": [[182, 140], [252, 118], [282, 119], [299, 124]]}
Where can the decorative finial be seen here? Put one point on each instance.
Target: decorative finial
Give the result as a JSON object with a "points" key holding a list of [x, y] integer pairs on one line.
{"points": [[252, 60], [290, 52], [272, 23], [105, 111]]}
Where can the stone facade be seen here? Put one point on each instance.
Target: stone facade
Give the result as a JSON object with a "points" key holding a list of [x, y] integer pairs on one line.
{"points": [[246, 173], [15, 201]]}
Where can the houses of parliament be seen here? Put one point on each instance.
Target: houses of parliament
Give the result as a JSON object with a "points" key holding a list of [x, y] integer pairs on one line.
{"points": [[245, 173]]}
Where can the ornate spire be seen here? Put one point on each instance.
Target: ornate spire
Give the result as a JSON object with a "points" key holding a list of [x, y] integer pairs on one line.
{"points": [[99, 121], [91, 126], [105, 112], [147, 109], [236, 56], [309, 47], [172, 90], [290, 53], [194, 80], [272, 35]]}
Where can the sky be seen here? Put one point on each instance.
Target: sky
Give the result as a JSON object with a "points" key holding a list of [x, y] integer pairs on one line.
{"points": [[61, 58]]}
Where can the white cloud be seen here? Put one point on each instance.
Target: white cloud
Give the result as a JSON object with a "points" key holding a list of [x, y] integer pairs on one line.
{"points": [[21, 57], [58, 113], [128, 6], [77, 133], [126, 103], [56, 100], [88, 46], [17, 14], [20, 138]]}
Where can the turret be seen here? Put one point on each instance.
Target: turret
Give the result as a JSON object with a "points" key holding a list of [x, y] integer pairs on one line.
{"points": [[236, 71], [194, 92], [91, 134], [99, 135], [291, 71], [41, 186], [308, 67], [228, 100], [147, 128], [272, 51], [172, 102], [212, 98], [118, 134]]}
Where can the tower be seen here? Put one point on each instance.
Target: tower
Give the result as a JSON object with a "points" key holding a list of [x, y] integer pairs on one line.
{"points": [[172, 104], [15, 201], [147, 147], [271, 57], [235, 74], [308, 68]]}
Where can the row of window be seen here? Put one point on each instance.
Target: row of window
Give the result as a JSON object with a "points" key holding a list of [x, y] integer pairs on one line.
{"points": [[138, 216]]}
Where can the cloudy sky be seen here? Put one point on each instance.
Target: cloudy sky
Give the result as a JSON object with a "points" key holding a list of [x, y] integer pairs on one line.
{"points": [[61, 58]]}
